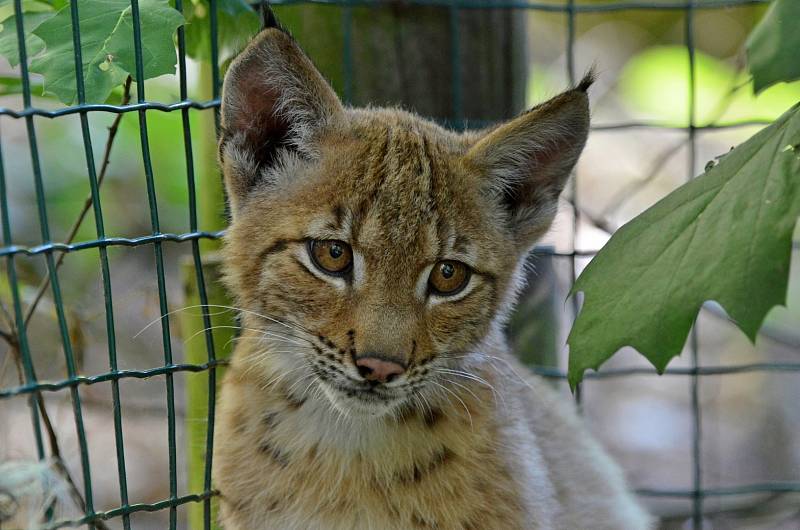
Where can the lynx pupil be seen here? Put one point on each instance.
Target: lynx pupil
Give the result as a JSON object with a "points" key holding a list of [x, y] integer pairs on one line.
{"points": [[448, 277], [447, 270], [331, 256]]}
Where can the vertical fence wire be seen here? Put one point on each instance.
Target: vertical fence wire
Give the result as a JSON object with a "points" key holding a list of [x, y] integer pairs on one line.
{"points": [[694, 345], [33, 387], [198, 266], [52, 271], [159, 256], [104, 268], [455, 65], [573, 183], [212, 373], [347, 63], [216, 82], [22, 348]]}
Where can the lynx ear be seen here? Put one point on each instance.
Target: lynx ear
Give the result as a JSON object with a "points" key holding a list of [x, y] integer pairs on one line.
{"points": [[527, 160], [274, 101]]}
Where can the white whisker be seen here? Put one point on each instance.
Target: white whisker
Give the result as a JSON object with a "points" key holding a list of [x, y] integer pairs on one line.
{"points": [[473, 377], [275, 380], [469, 414], [462, 386], [225, 309], [292, 340]]}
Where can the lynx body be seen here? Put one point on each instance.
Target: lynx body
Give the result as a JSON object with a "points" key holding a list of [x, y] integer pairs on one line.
{"points": [[374, 257]]}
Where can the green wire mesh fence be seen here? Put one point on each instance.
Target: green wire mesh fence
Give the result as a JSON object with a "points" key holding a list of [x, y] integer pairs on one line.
{"points": [[53, 252]]}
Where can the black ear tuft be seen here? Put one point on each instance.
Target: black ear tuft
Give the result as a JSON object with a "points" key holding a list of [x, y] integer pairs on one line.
{"points": [[525, 162], [268, 18], [587, 81]]}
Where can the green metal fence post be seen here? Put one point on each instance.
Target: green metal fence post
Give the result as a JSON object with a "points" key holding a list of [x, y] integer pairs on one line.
{"points": [[202, 289], [199, 385]]}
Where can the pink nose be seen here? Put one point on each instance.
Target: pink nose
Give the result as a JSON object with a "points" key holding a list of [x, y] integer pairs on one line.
{"points": [[380, 370]]}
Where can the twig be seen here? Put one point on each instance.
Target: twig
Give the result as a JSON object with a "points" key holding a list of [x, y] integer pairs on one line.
{"points": [[7, 336], [55, 449], [7, 316], [12, 338], [624, 195], [112, 134]]}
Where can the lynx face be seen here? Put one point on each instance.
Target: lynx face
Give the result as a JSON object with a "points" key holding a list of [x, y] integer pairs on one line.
{"points": [[371, 251]]}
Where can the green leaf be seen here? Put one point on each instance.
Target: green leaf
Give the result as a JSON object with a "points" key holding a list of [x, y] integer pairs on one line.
{"points": [[724, 236], [28, 6], [106, 45], [8, 36], [236, 23], [772, 46], [13, 85]]}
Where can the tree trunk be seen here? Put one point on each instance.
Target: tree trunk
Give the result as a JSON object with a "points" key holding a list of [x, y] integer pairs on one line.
{"points": [[451, 65]]}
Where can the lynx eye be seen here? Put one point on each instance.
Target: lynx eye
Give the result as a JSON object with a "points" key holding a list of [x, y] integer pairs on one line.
{"points": [[331, 256], [448, 277]]}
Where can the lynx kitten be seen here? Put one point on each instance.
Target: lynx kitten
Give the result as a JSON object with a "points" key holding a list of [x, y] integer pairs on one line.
{"points": [[375, 256]]}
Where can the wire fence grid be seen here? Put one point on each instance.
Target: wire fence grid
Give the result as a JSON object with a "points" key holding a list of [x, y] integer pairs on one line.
{"points": [[33, 387]]}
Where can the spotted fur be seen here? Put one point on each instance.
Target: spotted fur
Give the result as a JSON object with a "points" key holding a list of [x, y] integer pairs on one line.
{"points": [[464, 439]]}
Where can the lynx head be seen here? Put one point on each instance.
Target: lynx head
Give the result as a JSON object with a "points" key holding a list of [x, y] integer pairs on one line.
{"points": [[371, 249]]}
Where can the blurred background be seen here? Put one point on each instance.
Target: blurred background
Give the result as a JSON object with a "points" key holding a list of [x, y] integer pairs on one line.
{"points": [[465, 67]]}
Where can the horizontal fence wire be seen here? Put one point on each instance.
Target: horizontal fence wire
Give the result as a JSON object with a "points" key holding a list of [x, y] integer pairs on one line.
{"points": [[105, 242], [10, 250], [452, 123], [562, 6], [128, 509], [544, 371], [33, 387]]}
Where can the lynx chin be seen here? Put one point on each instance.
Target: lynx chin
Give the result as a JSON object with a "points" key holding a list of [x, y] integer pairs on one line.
{"points": [[374, 257]]}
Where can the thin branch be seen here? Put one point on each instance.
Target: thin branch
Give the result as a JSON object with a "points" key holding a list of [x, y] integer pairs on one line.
{"points": [[7, 316], [12, 338], [626, 193], [62, 470], [7, 336], [112, 134], [55, 449]]}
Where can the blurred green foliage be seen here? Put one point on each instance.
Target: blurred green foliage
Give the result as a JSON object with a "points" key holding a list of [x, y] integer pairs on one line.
{"points": [[656, 83], [725, 236], [236, 22]]}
